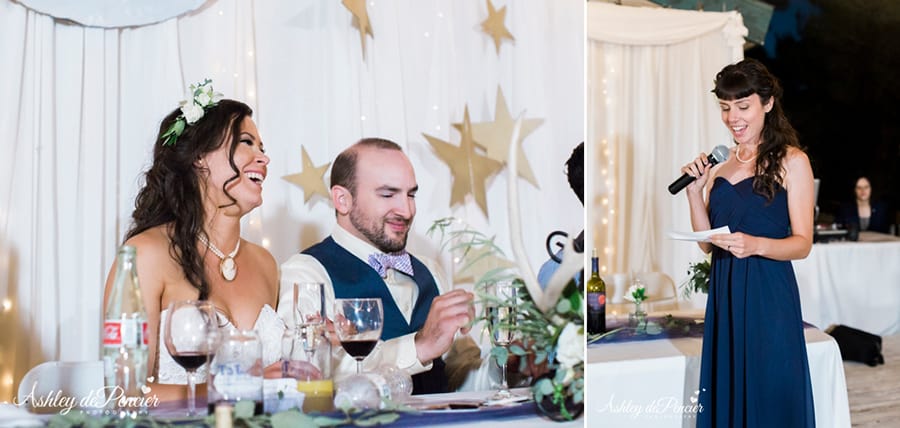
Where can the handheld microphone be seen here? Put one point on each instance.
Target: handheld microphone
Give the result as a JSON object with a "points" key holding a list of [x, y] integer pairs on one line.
{"points": [[719, 154]]}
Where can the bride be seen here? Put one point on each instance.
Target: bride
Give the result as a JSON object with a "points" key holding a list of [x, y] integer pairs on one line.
{"points": [[207, 173]]}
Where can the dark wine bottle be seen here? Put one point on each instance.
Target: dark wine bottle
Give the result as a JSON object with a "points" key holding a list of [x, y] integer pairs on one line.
{"points": [[596, 299]]}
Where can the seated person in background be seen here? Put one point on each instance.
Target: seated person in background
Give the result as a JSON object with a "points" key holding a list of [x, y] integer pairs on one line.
{"points": [[373, 188], [575, 175], [863, 214], [187, 216]]}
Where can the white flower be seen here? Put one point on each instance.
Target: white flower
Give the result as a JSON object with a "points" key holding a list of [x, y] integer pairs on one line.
{"points": [[570, 346], [558, 320], [570, 375], [192, 112], [203, 99], [633, 291], [216, 97]]}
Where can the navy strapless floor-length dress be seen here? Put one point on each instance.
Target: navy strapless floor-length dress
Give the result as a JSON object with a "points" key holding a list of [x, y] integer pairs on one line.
{"points": [[754, 371]]}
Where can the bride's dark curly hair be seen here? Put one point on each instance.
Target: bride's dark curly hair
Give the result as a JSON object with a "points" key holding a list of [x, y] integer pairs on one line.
{"points": [[749, 77], [172, 194]]}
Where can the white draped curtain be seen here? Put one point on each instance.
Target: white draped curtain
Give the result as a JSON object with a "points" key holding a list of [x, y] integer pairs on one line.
{"points": [[650, 111], [80, 107]]}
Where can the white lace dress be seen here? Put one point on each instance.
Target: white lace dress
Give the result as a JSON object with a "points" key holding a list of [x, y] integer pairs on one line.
{"points": [[269, 326]]}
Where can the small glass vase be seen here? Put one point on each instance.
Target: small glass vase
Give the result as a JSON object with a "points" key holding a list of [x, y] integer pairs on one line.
{"points": [[638, 318]]}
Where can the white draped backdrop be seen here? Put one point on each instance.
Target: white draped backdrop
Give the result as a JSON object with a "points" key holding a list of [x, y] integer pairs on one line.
{"points": [[80, 106], [650, 111]]}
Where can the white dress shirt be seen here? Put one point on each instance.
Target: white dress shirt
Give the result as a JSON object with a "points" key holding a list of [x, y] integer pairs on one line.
{"points": [[399, 351]]}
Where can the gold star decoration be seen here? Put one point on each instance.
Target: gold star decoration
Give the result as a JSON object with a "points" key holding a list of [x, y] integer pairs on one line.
{"points": [[494, 26], [494, 137], [478, 262], [311, 179], [360, 20], [470, 170]]}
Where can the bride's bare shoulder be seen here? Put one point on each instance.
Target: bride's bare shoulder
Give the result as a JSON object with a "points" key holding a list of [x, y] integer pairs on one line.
{"points": [[152, 243]]}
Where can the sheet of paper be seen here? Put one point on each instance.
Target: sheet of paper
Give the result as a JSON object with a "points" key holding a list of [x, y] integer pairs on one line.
{"points": [[701, 236]]}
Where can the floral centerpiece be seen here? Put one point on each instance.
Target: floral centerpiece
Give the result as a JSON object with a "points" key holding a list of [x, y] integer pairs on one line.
{"points": [[550, 319], [549, 342], [637, 293], [698, 278]]}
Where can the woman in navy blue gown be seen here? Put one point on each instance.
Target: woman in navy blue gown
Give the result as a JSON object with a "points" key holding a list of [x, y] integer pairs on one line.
{"points": [[754, 370]]}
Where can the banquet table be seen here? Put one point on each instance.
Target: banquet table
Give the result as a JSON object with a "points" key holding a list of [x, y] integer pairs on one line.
{"points": [[654, 382], [519, 415], [852, 283]]}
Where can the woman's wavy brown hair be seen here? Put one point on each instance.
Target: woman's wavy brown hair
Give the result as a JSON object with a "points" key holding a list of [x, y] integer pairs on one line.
{"points": [[172, 194], [749, 77]]}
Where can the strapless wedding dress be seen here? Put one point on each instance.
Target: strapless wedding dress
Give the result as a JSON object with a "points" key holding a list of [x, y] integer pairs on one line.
{"points": [[269, 326]]}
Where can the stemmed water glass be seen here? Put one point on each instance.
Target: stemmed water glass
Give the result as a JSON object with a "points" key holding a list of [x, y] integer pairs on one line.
{"points": [[501, 315], [309, 314], [191, 336], [358, 322]]}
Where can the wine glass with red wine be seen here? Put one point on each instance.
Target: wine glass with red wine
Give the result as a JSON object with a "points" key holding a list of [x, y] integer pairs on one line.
{"points": [[358, 323], [191, 338]]}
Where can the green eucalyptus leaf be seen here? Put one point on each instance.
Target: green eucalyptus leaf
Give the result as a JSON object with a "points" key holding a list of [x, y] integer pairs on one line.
{"points": [[379, 419], [501, 354], [250, 423], [178, 126], [563, 306], [575, 302], [67, 420], [517, 350], [291, 419], [326, 421], [544, 386]]}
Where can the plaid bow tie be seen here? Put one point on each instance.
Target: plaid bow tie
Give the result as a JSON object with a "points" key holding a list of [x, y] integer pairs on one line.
{"points": [[398, 261]]}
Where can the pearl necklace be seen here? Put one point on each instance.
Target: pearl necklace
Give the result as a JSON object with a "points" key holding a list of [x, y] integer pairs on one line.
{"points": [[228, 266], [737, 155]]}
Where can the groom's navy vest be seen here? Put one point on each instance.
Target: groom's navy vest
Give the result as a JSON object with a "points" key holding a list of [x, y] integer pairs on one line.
{"points": [[351, 277]]}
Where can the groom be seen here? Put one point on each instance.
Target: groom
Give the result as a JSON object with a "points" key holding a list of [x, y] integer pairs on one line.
{"points": [[373, 188]]}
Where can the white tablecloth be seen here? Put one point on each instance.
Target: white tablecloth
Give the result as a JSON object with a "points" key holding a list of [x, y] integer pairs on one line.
{"points": [[852, 283], [654, 383]]}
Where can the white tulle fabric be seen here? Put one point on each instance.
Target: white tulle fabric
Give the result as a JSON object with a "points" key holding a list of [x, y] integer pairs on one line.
{"points": [[268, 326]]}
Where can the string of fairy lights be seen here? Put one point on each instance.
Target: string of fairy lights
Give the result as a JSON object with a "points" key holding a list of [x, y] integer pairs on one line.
{"points": [[604, 218], [606, 211]]}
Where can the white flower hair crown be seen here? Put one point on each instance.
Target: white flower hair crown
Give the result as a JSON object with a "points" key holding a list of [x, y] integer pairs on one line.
{"points": [[201, 99]]}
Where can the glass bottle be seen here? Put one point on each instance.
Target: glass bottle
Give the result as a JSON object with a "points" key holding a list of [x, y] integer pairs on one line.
{"points": [[596, 299], [124, 349]]}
